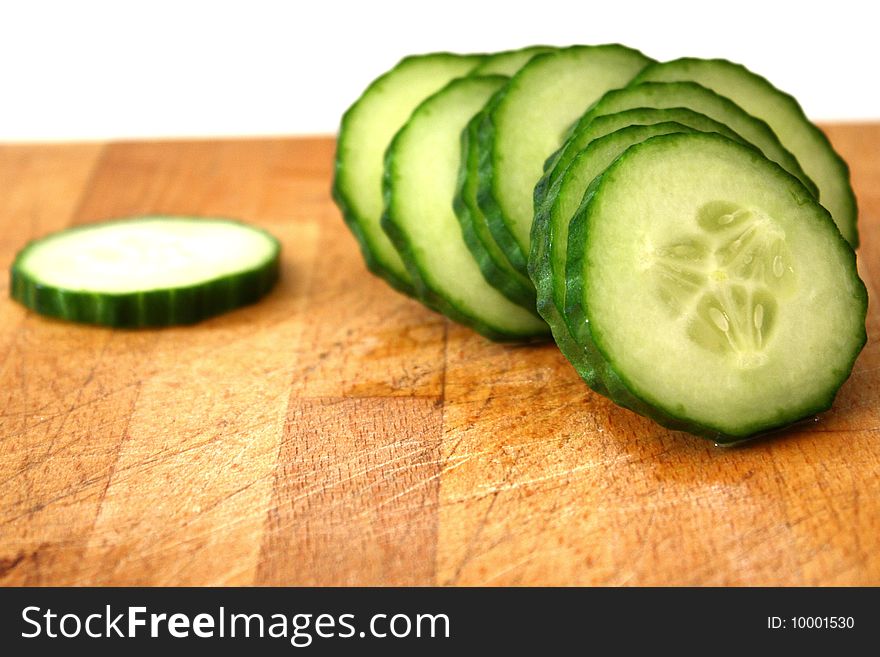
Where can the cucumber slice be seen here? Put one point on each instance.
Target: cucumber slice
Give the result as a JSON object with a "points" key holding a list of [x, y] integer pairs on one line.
{"points": [[474, 226], [366, 130], [784, 115], [550, 229], [676, 94], [421, 168], [528, 120], [146, 271], [718, 291]]}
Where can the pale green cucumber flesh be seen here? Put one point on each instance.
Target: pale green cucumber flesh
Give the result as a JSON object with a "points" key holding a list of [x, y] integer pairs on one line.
{"points": [[718, 291], [550, 241], [528, 120], [692, 96], [784, 115], [367, 129], [553, 213], [421, 170], [146, 271]]}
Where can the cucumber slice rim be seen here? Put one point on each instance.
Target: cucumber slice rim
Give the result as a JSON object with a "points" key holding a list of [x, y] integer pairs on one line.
{"points": [[495, 266]]}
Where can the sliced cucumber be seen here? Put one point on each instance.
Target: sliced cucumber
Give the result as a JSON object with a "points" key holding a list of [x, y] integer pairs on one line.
{"points": [[492, 261], [421, 168], [676, 94], [496, 269], [784, 115], [366, 130], [146, 271], [550, 227], [528, 120], [718, 291], [550, 231]]}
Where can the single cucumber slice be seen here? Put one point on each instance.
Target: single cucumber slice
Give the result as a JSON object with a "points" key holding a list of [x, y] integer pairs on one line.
{"points": [[366, 130], [676, 94], [528, 120], [784, 115], [550, 238], [420, 178], [146, 271], [496, 269], [718, 291]]}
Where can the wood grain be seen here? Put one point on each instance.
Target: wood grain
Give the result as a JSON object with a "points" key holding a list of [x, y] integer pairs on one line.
{"points": [[339, 433]]}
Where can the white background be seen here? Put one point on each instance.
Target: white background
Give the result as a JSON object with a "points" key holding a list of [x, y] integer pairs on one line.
{"points": [[95, 69]]}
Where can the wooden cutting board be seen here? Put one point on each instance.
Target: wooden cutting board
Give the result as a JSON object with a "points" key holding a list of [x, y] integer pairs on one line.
{"points": [[339, 433]]}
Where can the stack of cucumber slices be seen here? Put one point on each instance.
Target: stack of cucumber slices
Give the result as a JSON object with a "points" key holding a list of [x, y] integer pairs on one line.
{"points": [[682, 230]]}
